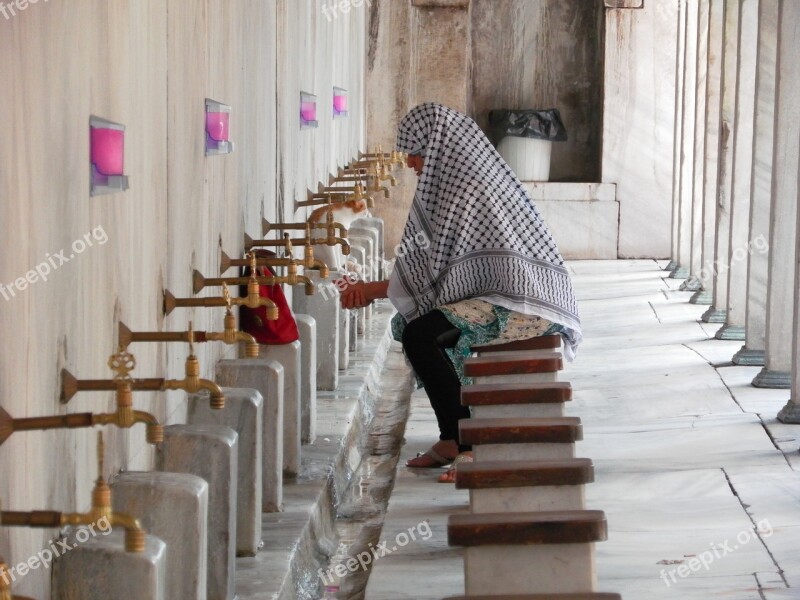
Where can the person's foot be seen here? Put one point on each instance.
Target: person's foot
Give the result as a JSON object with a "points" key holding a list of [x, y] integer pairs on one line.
{"points": [[441, 453], [450, 475]]}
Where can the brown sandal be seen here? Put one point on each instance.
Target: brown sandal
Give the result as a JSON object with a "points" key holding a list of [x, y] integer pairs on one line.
{"points": [[438, 460], [449, 476]]}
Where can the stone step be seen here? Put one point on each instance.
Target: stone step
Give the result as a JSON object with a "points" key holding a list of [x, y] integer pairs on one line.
{"points": [[521, 438], [535, 399], [525, 485], [545, 552], [543, 342], [524, 473]]}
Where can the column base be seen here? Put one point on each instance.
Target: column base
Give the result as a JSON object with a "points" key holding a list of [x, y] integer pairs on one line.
{"points": [[702, 298], [671, 265], [714, 315], [731, 332], [750, 358], [692, 284], [679, 273], [790, 413], [778, 380]]}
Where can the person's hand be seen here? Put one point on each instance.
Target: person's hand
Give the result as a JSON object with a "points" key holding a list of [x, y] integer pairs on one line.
{"points": [[353, 295]]}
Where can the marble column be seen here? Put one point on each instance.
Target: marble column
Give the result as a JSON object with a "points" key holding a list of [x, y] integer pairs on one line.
{"points": [[718, 309], [714, 63], [686, 162], [678, 147], [734, 327], [694, 282], [781, 287], [752, 352], [791, 412]]}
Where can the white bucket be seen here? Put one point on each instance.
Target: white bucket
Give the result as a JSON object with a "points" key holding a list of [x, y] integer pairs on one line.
{"points": [[529, 158]]}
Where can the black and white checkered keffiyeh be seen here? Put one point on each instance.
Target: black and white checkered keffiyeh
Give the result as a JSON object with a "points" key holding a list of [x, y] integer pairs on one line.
{"points": [[473, 230]]}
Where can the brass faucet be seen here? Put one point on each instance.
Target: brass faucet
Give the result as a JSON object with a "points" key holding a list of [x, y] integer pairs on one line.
{"points": [[266, 226], [192, 383], [101, 509], [291, 278], [253, 299], [125, 417], [287, 242], [308, 262], [231, 335]]}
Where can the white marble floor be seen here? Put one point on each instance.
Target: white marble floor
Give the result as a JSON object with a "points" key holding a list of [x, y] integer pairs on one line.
{"points": [[690, 461]]}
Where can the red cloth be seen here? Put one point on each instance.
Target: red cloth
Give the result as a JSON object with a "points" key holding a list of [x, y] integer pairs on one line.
{"points": [[254, 320]]}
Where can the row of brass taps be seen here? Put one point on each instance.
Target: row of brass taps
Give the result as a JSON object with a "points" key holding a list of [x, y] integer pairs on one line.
{"points": [[230, 335], [101, 510], [5, 584]]}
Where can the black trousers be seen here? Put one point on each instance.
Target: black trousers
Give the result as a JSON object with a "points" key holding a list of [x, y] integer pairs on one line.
{"points": [[424, 342]]}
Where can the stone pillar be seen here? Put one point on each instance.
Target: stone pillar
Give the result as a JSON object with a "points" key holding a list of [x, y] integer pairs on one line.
{"points": [[210, 452], [243, 412], [174, 508], [781, 287], [791, 412], [442, 30], [752, 352], [710, 169], [686, 162], [99, 567], [324, 307], [694, 282], [718, 309], [678, 148], [266, 376], [288, 356], [734, 327], [307, 326]]}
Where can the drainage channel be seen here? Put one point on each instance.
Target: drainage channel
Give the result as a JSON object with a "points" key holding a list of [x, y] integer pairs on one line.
{"points": [[361, 511]]}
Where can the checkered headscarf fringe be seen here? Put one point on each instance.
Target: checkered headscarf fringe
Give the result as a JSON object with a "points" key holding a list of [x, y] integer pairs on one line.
{"points": [[473, 231]]}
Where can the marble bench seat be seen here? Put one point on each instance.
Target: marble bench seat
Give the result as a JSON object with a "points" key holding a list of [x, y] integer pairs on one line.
{"points": [[525, 485], [545, 552], [531, 367], [487, 400], [521, 438]]}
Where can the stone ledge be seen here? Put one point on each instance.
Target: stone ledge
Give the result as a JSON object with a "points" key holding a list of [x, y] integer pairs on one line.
{"points": [[583, 192]]}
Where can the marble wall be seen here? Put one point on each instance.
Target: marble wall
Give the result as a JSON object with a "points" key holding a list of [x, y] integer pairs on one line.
{"points": [[148, 64], [544, 54], [641, 58]]}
